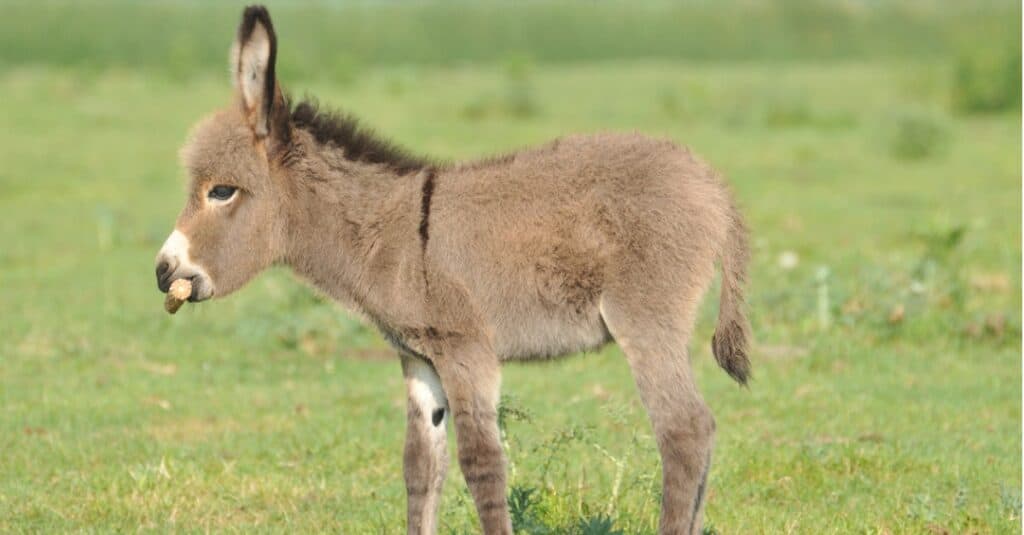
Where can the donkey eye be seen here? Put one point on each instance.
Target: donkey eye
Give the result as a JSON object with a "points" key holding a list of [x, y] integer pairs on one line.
{"points": [[222, 193]]}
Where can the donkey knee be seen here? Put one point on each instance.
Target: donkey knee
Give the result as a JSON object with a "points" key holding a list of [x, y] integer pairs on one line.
{"points": [[704, 421], [687, 432]]}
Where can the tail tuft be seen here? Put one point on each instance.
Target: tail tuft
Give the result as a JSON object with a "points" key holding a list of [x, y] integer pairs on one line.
{"points": [[730, 342], [729, 345]]}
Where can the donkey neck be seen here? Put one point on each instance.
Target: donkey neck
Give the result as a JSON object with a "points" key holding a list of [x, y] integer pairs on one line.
{"points": [[354, 231]]}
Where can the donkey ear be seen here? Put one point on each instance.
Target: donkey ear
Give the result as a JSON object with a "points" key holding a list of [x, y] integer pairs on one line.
{"points": [[252, 67]]}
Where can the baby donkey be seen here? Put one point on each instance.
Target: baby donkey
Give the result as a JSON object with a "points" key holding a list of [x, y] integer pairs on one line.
{"points": [[543, 252]]}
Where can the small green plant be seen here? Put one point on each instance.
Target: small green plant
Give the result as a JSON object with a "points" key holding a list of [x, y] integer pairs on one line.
{"points": [[525, 505], [916, 135], [986, 77], [521, 507], [709, 530], [597, 525], [510, 410]]}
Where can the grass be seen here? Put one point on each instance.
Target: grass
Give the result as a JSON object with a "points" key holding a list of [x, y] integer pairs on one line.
{"points": [[885, 298], [183, 37]]}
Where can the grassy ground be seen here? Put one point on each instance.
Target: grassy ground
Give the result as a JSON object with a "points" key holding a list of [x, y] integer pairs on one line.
{"points": [[885, 298], [183, 36]]}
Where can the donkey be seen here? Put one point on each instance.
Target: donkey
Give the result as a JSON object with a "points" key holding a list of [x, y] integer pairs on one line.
{"points": [[538, 253]]}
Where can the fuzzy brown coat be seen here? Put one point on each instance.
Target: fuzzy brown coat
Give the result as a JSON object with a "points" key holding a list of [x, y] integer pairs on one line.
{"points": [[540, 253]]}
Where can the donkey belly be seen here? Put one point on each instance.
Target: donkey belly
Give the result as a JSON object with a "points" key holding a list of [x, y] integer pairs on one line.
{"points": [[534, 334]]}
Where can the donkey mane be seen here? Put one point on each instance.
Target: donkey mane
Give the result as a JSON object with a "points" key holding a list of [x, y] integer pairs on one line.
{"points": [[360, 143]]}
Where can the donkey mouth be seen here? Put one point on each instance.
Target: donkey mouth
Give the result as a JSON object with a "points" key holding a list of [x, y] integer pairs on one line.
{"points": [[197, 290], [201, 289]]}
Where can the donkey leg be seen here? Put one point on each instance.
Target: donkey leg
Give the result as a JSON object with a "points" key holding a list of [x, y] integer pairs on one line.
{"points": [[471, 377], [682, 422], [426, 449]]}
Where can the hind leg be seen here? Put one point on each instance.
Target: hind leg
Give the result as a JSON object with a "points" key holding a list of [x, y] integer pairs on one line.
{"points": [[653, 335]]}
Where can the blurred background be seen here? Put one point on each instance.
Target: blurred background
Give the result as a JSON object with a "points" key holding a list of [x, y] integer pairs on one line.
{"points": [[874, 146]]}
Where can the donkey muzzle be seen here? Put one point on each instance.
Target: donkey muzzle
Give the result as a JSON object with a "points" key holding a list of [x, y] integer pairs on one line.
{"points": [[173, 263]]}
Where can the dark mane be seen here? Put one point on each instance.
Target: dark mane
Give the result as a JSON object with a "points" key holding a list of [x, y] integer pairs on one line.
{"points": [[359, 143]]}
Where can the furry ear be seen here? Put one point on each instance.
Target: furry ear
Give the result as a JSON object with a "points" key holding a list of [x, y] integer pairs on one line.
{"points": [[252, 67]]}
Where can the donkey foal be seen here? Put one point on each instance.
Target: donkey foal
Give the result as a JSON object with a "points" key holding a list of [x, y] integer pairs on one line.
{"points": [[539, 253]]}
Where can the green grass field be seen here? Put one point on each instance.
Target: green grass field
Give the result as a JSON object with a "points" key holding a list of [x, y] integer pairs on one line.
{"points": [[885, 298]]}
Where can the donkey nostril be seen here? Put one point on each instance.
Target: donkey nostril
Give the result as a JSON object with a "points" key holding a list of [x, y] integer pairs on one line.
{"points": [[163, 275]]}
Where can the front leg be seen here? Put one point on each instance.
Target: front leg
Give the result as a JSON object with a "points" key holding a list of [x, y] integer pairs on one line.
{"points": [[426, 445], [471, 377]]}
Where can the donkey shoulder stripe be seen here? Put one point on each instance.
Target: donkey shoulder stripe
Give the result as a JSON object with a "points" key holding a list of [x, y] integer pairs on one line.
{"points": [[427, 195]]}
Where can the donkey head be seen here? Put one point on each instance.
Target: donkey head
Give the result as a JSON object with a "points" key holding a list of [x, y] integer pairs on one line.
{"points": [[232, 225]]}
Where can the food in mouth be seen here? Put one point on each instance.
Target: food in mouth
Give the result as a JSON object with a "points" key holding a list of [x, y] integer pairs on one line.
{"points": [[179, 292]]}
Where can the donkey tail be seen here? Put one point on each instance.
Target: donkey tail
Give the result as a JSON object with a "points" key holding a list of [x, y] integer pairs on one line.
{"points": [[730, 341]]}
